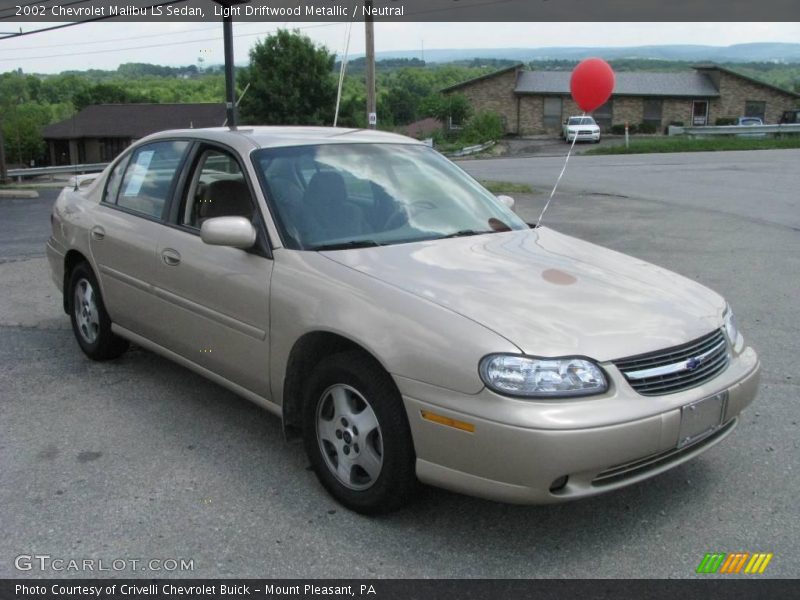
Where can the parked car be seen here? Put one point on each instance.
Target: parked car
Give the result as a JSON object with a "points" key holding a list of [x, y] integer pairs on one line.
{"points": [[401, 319], [585, 128], [750, 122]]}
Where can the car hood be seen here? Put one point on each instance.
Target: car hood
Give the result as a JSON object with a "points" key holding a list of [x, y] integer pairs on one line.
{"points": [[548, 293], [583, 127]]}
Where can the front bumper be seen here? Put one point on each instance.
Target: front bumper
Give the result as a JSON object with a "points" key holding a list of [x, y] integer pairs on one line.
{"points": [[520, 448], [586, 137]]}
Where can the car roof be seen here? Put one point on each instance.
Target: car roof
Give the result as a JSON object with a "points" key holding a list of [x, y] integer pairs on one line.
{"points": [[247, 138]]}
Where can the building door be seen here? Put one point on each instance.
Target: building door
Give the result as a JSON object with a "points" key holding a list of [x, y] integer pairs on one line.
{"points": [[700, 112], [552, 112]]}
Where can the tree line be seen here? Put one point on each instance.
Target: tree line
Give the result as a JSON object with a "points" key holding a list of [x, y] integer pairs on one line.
{"points": [[289, 80]]}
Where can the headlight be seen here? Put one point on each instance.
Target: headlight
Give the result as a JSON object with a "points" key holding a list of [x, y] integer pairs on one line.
{"points": [[731, 329], [539, 377]]}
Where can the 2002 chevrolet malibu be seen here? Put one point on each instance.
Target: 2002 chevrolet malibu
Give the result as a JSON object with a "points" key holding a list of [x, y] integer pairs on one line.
{"points": [[402, 320]]}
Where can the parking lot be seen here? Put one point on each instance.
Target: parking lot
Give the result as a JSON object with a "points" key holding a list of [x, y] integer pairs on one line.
{"points": [[139, 458]]}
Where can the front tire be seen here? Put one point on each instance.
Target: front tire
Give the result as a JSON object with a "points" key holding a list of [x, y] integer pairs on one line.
{"points": [[90, 321], [356, 434]]}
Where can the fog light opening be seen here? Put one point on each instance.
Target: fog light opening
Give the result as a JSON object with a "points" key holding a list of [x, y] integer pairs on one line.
{"points": [[559, 484]]}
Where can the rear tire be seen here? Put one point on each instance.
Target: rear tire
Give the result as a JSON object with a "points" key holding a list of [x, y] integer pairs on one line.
{"points": [[356, 434], [90, 321]]}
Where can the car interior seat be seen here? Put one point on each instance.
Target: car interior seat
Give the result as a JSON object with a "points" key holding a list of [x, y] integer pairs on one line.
{"points": [[225, 198], [332, 217]]}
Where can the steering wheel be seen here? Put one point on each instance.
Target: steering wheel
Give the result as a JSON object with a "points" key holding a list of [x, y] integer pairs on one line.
{"points": [[421, 205]]}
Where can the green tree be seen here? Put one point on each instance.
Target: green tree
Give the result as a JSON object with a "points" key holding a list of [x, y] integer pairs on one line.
{"points": [[447, 107], [402, 105], [482, 127], [22, 129], [291, 82], [104, 93]]}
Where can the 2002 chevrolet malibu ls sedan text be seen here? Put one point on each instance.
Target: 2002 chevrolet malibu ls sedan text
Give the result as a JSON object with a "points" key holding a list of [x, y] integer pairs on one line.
{"points": [[399, 317]]}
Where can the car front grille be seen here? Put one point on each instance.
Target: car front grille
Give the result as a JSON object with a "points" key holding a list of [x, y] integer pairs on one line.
{"points": [[585, 132], [678, 368], [654, 461]]}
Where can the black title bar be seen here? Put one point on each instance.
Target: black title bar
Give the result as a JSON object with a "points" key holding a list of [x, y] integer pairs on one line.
{"points": [[710, 588], [402, 10]]}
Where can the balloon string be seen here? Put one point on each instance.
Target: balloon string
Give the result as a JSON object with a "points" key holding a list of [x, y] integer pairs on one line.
{"points": [[560, 175]]}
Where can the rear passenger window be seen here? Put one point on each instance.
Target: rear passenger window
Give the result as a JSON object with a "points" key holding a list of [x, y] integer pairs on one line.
{"points": [[149, 177]]}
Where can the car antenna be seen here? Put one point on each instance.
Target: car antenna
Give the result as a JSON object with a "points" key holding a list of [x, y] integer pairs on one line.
{"points": [[560, 175], [225, 122]]}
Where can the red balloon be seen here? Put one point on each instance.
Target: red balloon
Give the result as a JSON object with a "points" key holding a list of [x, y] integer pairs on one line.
{"points": [[591, 83]]}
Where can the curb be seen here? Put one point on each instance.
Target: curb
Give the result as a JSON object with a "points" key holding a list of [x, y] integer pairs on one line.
{"points": [[19, 194]]}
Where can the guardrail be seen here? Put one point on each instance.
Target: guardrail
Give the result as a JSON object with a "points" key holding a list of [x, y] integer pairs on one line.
{"points": [[745, 130], [471, 149], [68, 169]]}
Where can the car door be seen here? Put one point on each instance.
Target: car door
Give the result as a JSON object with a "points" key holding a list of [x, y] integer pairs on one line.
{"points": [[125, 229], [215, 299]]}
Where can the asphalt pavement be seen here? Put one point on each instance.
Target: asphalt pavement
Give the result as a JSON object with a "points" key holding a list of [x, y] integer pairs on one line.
{"points": [[139, 458]]}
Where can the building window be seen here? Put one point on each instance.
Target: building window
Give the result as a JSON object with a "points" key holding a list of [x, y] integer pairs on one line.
{"points": [[605, 115], [552, 112], [111, 147], [754, 108], [653, 108]]}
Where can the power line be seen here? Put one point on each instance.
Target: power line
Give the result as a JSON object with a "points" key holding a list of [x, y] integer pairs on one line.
{"points": [[151, 35], [148, 46], [109, 41]]}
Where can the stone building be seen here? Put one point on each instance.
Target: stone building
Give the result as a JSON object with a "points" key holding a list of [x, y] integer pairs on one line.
{"points": [[100, 132], [533, 102]]}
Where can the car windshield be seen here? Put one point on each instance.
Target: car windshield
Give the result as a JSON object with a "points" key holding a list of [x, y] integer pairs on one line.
{"points": [[337, 196], [750, 121], [581, 121]]}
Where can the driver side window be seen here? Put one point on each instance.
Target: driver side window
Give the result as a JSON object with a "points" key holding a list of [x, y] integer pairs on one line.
{"points": [[218, 189]]}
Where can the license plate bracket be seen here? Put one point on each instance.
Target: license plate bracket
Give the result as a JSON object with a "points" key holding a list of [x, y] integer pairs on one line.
{"points": [[702, 418]]}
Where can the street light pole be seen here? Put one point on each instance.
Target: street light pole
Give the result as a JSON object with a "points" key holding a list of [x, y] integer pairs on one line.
{"points": [[230, 74]]}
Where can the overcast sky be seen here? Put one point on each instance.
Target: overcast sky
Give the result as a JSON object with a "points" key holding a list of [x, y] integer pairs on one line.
{"points": [[105, 45]]}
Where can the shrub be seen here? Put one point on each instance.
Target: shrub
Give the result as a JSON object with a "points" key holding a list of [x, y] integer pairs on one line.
{"points": [[725, 121], [672, 124], [619, 129], [646, 128], [482, 127]]}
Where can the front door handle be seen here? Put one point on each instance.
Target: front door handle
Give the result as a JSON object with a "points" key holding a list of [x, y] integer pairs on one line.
{"points": [[98, 233], [170, 257]]}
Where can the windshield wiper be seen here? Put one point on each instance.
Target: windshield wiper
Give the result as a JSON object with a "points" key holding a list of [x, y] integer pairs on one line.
{"points": [[463, 233], [346, 245]]}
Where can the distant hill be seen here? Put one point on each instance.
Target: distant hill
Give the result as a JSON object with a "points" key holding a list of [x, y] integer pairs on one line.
{"points": [[756, 52]]}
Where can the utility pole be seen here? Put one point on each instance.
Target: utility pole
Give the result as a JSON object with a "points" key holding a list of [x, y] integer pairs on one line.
{"points": [[369, 29], [3, 167]]}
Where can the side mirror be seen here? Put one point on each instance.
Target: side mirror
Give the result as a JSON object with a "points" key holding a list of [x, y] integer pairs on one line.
{"points": [[507, 200], [237, 232]]}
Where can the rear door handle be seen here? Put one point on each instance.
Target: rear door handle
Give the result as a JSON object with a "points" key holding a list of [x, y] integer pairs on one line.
{"points": [[170, 257], [98, 233]]}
